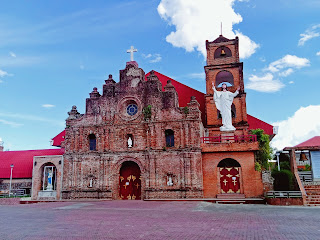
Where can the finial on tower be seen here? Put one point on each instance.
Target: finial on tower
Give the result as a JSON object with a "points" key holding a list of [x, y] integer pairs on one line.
{"points": [[131, 51], [221, 28]]}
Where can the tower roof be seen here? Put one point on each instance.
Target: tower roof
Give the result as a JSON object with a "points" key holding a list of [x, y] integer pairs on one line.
{"points": [[221, 39]]}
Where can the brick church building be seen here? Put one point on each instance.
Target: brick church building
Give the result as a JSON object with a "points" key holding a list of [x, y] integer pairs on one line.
{"points": [[151, 137]]}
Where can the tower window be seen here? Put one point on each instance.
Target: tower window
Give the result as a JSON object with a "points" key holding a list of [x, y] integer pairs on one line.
{"points": [[222, 52], [224, 76], [92, 142], [169, 134]]}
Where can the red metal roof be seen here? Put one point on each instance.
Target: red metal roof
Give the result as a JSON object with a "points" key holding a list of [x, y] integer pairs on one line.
{"points": [[57, 140], [22, 161], [312, 142], [184, 92], [255, 123]]}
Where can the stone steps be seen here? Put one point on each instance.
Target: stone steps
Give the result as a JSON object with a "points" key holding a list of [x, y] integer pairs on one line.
{"points": [[230, 196], [313, 195]]}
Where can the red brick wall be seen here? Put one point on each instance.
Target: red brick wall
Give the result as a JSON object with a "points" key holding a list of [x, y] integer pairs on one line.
{"points": [[251, 181]]}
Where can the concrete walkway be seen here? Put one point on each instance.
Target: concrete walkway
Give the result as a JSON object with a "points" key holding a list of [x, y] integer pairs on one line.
{"points": [[157, 220]]}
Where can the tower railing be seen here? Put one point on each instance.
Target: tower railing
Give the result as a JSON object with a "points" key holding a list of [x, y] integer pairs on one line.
{"points": [[226, 139]]}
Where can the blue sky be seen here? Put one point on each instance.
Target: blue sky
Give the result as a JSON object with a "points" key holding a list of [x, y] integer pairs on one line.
{"points": [[53, 53]]}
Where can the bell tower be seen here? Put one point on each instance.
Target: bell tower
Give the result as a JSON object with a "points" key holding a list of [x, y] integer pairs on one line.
{"points": [[224, 66]]}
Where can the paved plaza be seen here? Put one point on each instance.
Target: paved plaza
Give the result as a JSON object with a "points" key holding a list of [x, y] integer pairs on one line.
{"points": [[157, 220]]}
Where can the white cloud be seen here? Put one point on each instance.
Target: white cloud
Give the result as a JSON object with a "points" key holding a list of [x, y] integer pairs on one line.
{"points": [[198, 21], [264, 83], [304, 124], [48, 105], [4, 73], [286, 73], [310, 33], [12, 124], [1, 81], [318, 53], [291, 82], [279, 68], [147, 55], [81, 66], [153, 58], [262, 59], [288, 61], [9, 61], [157, 58], [12, 54], [32, 118], [197, 75]]}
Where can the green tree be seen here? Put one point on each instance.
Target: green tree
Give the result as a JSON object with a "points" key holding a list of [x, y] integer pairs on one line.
{"points": [[265, 151]]}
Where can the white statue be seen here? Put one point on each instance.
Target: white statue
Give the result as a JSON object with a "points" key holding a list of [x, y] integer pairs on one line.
{"points": [[91, 183], [129, 142], [49, 186], [170, 182], [223, 100]]}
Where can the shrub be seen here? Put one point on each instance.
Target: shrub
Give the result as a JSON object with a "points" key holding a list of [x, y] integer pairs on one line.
{"points": [[283, 180], [257, 166], [147, 112], [265, 151], [285, 166], [186, 110]]}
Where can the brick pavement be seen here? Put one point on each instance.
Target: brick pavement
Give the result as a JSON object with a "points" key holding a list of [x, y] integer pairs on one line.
{"points": [[157, 220]]}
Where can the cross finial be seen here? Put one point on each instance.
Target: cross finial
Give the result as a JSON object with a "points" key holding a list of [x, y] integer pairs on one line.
{"points": [[131, 51]]}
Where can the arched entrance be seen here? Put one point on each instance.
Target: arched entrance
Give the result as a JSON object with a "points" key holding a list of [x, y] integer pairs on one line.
{"points": [[130, 181], [229, 170]]}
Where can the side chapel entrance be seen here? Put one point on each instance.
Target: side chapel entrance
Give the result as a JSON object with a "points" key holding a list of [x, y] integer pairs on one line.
{"points": [[229, 170], [130, 181]]}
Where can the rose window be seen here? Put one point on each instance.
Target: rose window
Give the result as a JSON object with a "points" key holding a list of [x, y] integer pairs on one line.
{"points": [[132, 109]]}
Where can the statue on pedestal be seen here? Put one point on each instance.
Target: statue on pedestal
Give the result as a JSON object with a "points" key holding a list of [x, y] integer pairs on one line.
{"points": [[49, 186], [223, 100]]}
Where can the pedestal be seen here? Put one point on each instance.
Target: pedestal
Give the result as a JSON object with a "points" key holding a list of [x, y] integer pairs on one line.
{"points": [[227, 136]]}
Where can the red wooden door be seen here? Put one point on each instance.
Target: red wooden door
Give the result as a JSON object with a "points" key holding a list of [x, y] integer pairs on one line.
{"points": [[130, 181], [230, 179]]}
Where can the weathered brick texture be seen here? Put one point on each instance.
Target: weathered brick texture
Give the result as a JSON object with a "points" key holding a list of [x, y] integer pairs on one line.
{"points": [[106, 117]]}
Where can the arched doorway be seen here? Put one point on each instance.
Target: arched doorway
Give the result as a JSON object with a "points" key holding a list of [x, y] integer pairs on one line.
{"points": [[229, 170], [130, 181], [48, 177]]}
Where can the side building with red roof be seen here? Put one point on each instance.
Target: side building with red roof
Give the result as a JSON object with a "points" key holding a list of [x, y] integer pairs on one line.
{"points": [[22, 163]]}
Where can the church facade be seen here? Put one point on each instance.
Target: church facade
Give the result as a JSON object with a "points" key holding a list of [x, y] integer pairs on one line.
{"points": [[135, 142]]}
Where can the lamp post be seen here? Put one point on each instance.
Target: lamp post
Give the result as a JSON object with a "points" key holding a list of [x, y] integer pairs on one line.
{"points": [[11, 166], [278, 154]]}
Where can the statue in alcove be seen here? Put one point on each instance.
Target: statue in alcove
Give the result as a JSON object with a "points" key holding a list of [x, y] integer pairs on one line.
{"points": [[50, 176], [130, 142], [223, 100]]}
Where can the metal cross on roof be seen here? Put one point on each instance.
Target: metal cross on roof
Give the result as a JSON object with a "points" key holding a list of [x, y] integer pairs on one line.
{"points": [[131, 51]]}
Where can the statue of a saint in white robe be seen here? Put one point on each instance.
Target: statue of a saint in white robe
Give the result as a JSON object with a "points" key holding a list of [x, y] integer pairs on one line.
{"points": [[130, 142], [223, 100]]}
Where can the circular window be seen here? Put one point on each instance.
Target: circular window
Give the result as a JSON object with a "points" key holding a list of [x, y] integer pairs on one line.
{"points": [[132, 109]]}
